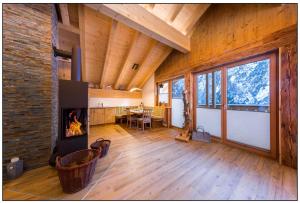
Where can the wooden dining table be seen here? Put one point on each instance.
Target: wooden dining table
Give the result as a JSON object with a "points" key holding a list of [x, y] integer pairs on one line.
{"points": [[136, 111]]}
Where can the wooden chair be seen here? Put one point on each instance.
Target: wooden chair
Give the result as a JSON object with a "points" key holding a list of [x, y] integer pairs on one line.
{"points": [[130, 118], [158, 114], [120, 114], [146, 118]]}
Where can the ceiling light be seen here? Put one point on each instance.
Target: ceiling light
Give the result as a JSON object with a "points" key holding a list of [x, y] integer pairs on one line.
{"points": [[135, 66], [135, 89]]}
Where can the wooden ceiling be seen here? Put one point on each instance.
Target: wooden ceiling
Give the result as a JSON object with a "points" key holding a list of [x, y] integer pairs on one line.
{"points": [[112, 42], [182, 17]]}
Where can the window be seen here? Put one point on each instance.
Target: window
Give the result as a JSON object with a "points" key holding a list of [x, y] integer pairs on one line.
{"points": [[248, 86], [201, 84], [217, 80], [209, 89], [163, 93], [177, 88]]}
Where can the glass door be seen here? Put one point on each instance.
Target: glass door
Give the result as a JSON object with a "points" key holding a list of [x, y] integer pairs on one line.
{"points": [[209, 97], [251, 103], [237, 103], [177, 103]]}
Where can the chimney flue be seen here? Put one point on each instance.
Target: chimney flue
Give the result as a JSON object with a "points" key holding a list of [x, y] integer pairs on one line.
{"points": [[76, 64]]}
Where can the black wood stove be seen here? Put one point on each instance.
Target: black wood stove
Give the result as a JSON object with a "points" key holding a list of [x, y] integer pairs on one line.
{"points": [[73, 111]]}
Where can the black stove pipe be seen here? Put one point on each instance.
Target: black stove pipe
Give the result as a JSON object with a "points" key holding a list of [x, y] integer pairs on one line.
{"points": [[75, 57], [76, 64]]}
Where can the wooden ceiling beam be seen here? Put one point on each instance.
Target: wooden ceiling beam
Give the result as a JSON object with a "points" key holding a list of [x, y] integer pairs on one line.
{"points": [[123, 70], [64, 14], [108, 55], [137, 17], [195, 17], [69, 28], [157, 54], [176, 11], [152, 71]]}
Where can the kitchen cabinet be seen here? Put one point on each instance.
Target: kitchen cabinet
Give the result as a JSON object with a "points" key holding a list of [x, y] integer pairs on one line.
{"points": [[99, 116]]}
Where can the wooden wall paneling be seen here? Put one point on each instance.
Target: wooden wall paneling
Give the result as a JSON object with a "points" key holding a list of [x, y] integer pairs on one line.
{"points": [[140, 19], [81, 19], [106, 93], [67, 39], [64, 69], [137, 53], [288, 106], [228, 32], [118, 48], [64, 14], [69, 28], [156, 56]]}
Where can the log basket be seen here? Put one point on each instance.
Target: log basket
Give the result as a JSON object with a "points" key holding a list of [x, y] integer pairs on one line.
{"points": [[76, 169], [101, 144]]}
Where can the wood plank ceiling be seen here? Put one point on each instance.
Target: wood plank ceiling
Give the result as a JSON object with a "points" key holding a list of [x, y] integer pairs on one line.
{"points": [[111, 47]]}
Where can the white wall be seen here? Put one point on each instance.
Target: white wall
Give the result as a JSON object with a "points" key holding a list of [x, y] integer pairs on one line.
{"points": [[252, 128], [148, 92], [177, 113], [114, 102], [210, 120]]}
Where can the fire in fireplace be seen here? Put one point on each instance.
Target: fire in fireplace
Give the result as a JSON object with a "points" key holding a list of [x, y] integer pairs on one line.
{"points": [[74, 122]]}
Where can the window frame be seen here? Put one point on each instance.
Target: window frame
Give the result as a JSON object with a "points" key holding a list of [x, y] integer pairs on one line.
{"points": [[158, 92], [171, 82], [252, 108], [273, 55], [213, 105]]}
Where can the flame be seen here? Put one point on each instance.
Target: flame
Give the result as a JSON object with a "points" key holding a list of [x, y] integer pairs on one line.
{"points": [[74, 129]]}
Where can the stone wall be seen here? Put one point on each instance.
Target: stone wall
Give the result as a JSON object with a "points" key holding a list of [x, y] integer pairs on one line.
{"points": [[55, 42], [27, 84]]}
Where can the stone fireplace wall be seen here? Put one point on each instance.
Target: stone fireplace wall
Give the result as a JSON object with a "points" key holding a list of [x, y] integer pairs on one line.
{"points": [[28, 81]]}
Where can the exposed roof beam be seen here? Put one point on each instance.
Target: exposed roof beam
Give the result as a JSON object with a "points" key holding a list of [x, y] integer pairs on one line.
{"points": [[64, 14], [112, 34], [123, 70], [137, 17], [155, 66], [194, 18], [69, 28], [157, 54], [176, 11]]}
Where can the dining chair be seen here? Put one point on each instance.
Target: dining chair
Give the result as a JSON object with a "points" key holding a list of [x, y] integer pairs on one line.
{"points": [[145, 119], [120, 114], [130, 118]]}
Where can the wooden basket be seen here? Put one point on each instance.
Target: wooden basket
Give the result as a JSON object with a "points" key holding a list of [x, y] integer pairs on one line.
{"points": [[76, 169], [101, 144]]}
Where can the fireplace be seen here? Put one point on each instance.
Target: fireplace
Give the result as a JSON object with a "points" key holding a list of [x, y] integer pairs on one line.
{"points": [[73, 117], [74, 122], [72, 105]]}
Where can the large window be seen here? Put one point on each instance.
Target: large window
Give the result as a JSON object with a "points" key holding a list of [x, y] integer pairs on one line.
{"points": [[201, 84], [163, 93], [209, 89], [177, 88], [248, 86]]}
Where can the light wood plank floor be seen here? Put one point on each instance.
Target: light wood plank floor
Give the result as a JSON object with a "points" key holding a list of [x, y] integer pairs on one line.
{"points": [[152, 165]]}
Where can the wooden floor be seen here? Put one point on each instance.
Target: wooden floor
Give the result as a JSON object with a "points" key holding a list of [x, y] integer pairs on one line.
{"points": [[152, 165]]}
